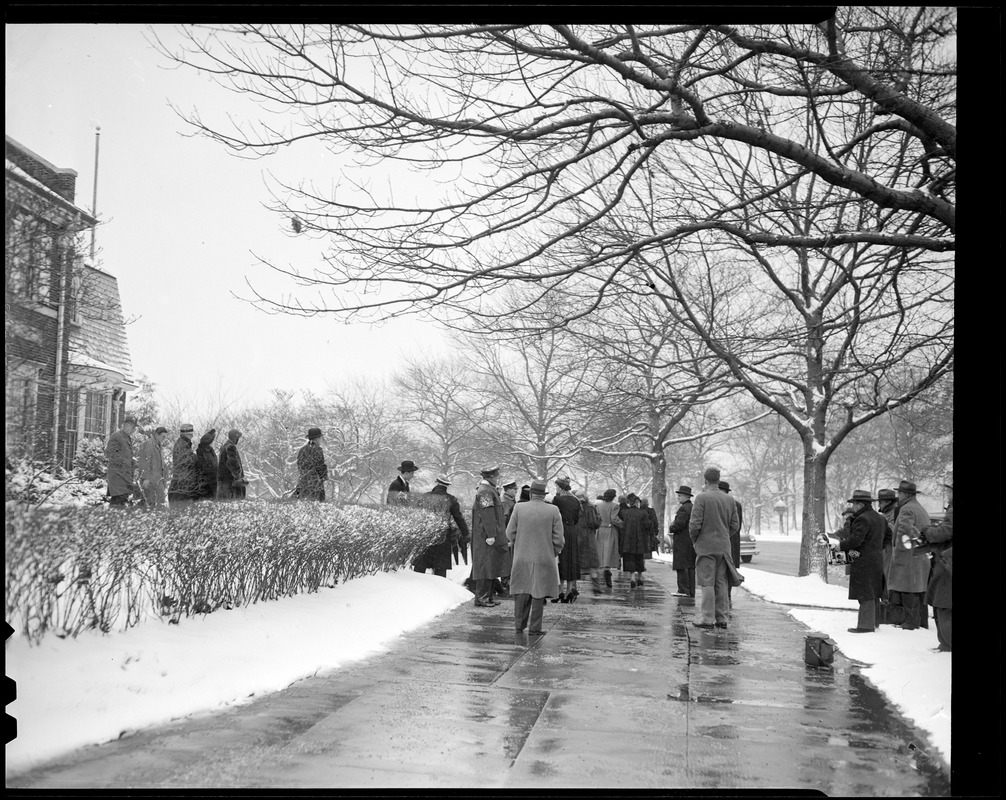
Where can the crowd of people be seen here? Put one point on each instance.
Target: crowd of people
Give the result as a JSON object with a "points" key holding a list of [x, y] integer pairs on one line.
{"points": [[199, 473], [899, 563]]}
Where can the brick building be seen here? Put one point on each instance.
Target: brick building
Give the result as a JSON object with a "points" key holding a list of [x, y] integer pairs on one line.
{"points": [[66, 355]]}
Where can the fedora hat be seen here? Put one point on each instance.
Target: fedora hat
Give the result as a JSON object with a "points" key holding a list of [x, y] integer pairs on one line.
{"points": [[538, 486], [685, 490], [907, 487], [887, 494], [408, 466], [860, 496], [314, 433]]}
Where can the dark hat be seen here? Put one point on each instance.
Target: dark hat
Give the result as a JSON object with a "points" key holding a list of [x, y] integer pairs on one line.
{"points": [[314, 433], [562, 483], [685, 490], [186, 428], [160, 429], [508, 484], [860, 496], [489, 470], [887, 494], [724, 486], [408, 466], [234, 434], [631, 498], [538, 486], [609, 494], [209, 436], [129, 420], [907, 487], [442, 479]]}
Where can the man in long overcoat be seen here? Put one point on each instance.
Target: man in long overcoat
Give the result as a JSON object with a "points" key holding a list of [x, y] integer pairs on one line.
{"points": [[489, 542], [313, 471], [908, 576], [182, 488], [714, 519], [864, 542], [535, 529], [682, 549], [569, 558], [400, 485], [887, 506], [939, 540], [509, 500], [231, 481], [121, 464], [438, 556], [150, 464]]}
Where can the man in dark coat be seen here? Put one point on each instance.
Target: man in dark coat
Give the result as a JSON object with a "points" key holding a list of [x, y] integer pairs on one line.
{"points": [[489, 541], [438, 556], [231, 481], [206, 467], [651, 515], [121, 464], [569, 558], [682, 549], [400, 485], [509, 500], [312, 467], [864, 545], [182, 489], [939, 540]]}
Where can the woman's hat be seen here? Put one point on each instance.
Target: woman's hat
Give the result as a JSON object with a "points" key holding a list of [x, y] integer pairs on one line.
{"points": [[408, 466], [562, 483], [860, 496], [685, 490], [631, 498], [609, 494], [315, 433]]}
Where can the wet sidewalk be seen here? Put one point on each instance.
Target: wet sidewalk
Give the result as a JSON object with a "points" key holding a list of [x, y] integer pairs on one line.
{"points": [[620, 692]]}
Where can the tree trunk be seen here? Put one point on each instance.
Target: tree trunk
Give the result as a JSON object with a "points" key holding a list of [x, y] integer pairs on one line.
{"points": [[658, 501], [812, 555]]}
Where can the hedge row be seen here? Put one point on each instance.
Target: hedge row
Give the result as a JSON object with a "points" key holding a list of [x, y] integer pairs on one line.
{"points": [[72, 569]]}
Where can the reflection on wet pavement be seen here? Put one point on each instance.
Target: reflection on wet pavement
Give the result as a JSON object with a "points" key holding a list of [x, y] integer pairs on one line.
{"points": [[621, 691]]}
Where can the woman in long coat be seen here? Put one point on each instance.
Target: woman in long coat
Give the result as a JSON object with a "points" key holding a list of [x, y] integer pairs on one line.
{"points": [[634, 540], [607, 535], [535, 530], [206, 467], [586, 530], [569, 558]]}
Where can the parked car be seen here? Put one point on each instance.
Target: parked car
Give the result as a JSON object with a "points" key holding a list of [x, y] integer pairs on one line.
{"points": [[748, 547]]}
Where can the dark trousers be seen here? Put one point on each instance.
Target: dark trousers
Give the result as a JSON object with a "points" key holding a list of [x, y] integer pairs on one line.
{"points": [[484, 588], [686, 581], [944, 618], [867, 615], [441, 572], [527, 611], [916, 610]]}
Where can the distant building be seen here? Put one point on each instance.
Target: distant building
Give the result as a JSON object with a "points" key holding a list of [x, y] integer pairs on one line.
{"points": [[66, 356]]}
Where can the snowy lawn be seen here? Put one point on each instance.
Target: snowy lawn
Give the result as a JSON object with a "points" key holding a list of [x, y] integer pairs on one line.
{"points": [[89, 690]]}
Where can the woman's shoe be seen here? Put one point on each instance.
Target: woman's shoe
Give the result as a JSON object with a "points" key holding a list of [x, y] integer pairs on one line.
{"points": [[566, 598], [607, 578], [573, 595], [560, 599], [632, 584]]}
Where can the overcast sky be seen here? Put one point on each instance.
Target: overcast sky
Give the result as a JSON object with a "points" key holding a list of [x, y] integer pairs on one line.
{"points": [[183, 217]]}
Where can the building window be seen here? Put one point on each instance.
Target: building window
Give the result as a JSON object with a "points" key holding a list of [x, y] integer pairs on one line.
{"points": [[96, 414], [21, 398], [32, 254], [72, 423]]}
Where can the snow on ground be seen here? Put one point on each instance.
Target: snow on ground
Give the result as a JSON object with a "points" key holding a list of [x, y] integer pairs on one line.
{"points": [[75, 692]]}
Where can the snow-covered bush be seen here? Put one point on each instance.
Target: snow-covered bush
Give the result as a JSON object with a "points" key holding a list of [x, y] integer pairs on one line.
{"points": [[70, 569], [33, 483], [90, 462]]}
